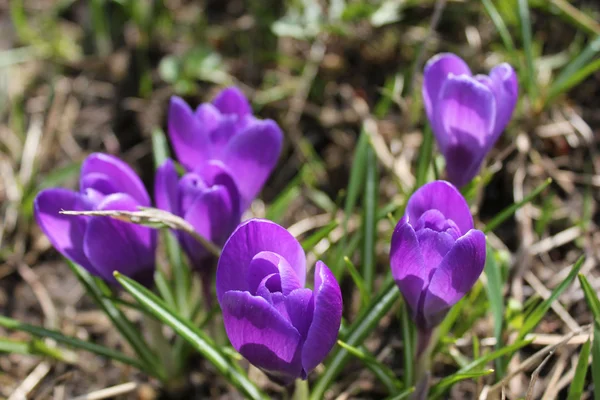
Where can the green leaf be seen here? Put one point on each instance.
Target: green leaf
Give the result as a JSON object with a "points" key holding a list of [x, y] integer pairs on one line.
{"points": [[195, 337], [281, 204], [408, 339], [10, 323], [369, 225], [312, 240], [582, 59], [486, 358], [356, 334], [443, 385], [531, 75], [97, 290], [35, 347], [358, 281], [594, 304], [499, 24], [578, 382], [402, 395], [385, 375], [574, 79], [510, 210], [540, 311], [496, 299], [425, 155], [160, 147]]}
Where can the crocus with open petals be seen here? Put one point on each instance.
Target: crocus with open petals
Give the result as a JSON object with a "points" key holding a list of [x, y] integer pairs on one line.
{"points": [[436, 256], [99, 244], [225, 130], [467, 113], [206, 197], [275, 322]]}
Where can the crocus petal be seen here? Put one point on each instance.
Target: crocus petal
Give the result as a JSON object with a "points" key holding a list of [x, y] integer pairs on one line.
{"points": [[232, 101], [323, 331], [465, 112], [262, 335], [436, 71], [409, 270], [101, 183], [455, 276], [121, 176], [262, 265], [506, 90], [113, 245], [249, 239], [215, 173], [251, 156], [166, 187], [444, 197], [65, 232], [211, 215], [208, 117], [434, 245], [190, 139], [300, 306]]}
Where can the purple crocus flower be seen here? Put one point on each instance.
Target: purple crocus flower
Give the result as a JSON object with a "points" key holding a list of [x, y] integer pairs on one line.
{"points": [[225, 130], [206, 197], [270, 317], [467, 113], [436, 256], [100, 245]]}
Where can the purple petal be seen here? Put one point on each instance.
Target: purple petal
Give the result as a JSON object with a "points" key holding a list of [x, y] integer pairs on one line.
{"points": [[327, 318], [251, 156], [262, 265], [506, 91], [190, 138], [100, 183], [262, 335], [113, 245], [300, 306], [465, 113], [249, 239], [166, 187], [222, 134], [442, 196], [434, 246], [122, 178], [435, 74], [208, 117], [409, 270], [65, 232], [216, 173], [213, 217], [455, 276], [232, 101], [189, 188]]}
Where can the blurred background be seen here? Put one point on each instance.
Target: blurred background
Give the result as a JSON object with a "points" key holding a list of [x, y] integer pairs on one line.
{"points": [[83, 76]]}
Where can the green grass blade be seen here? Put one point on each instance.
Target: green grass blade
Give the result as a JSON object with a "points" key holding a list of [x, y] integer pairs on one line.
{"points": [[402, 395], [498, 22], [540, 311], [573, 80], [119, 320], [160, 147], [496, 299], [578, 63], [594, 304], [370, 201], [357, 332], [10, 323], [408, 339], [280, 205], [358, 281], [425, 156], [443, 385], [510, 210], [578, 382], [494, 355], [525, 21], [385, 375], [202, 343], [312, 240]]}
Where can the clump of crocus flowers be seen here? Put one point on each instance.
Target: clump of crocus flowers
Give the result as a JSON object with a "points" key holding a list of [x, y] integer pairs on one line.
{"points": [[467, 113], [225, 156]]}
